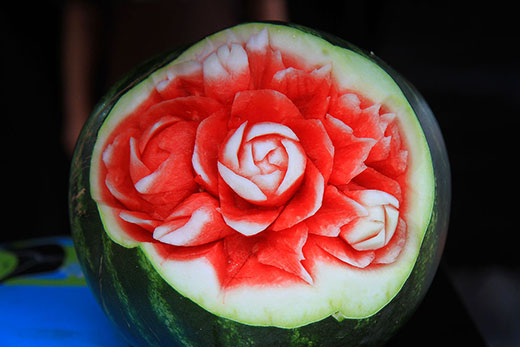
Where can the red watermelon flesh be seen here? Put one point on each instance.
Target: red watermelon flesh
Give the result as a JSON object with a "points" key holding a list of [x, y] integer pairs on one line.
{"points": [[245, 156], [268, 175], [245, 170]]}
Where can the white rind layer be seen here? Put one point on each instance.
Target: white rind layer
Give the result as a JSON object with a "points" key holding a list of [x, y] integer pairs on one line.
{"points": [[340, 291]]}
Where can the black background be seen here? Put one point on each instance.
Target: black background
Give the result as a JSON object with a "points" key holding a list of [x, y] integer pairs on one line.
{"points": [[462, 56]]}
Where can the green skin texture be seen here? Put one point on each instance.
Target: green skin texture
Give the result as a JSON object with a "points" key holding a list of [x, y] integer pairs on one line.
{"points": [[149, 312]]}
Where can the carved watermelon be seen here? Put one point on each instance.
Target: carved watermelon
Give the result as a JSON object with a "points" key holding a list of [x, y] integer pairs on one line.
{"points": [[269, 185]]}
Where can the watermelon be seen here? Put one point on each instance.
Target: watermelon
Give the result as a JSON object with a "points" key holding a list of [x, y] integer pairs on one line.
{"points": [[268, 185]]}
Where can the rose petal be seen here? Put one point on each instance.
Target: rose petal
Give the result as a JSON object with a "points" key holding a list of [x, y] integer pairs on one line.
{"points": [[350, 152], [226, 72], [177, 137], [365, 122], [128, 231], [258, 42], [211, 251], [372, 197], [128, 197], [183, 79], [193, 108], [342, 251], [283, 249], [168, 227], [205, 152], [229, 152], [237, 250], [346, 106], [250, 226], [369, 123], [366, 227], [339, 132], [248, 166], [194, 222], [232, 38], [316, 143], [375, 242], [137, 168], [393, 165], [396, 162], [116, 159], [243, 267], [244, 217], [263, 105], [306, 201], [155, 129], [336, 211], [292, 239], [373, 179], [391, 220], [270, 128], [278, 157], [268, 182], [238, 168], [384, 146], [295, 166], [263, 61], [139, 218], [244, 187], [308, 90], [175, 172], [389, 254], [166, 178], [380, 151], [261, 148]]}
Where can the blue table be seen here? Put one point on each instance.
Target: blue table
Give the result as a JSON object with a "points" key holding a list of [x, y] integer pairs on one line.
{"points": [[50, 308]]}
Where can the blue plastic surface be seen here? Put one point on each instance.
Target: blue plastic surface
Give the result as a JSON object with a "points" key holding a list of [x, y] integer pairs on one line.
{"points": [[54, 308], [53, 316]]}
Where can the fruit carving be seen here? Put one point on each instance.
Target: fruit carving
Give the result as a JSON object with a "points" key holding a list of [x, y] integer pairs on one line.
{"points": [[267, 175]]}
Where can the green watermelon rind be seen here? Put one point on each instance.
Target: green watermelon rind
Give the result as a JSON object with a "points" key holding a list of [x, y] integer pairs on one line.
{"points": [[371, 290], [94, 248]]}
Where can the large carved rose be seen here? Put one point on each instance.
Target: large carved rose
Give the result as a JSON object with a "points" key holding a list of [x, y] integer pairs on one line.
{"points": [[244, 151]]}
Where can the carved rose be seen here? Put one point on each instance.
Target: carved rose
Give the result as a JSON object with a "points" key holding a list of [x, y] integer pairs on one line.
{"points": [[268, 162]]}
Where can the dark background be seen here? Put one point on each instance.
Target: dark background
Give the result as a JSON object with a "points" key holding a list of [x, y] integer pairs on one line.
{"points": [[461, 56]]}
